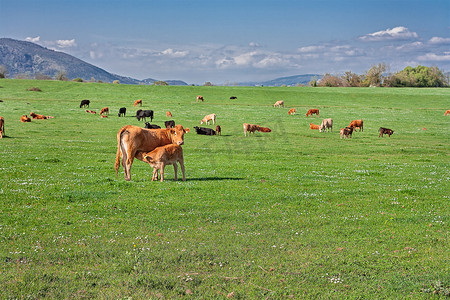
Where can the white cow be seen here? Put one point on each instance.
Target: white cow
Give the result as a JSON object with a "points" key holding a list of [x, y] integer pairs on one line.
{"points": [[326, 123]]}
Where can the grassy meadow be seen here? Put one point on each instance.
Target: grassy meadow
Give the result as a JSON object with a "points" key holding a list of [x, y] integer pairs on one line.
{"points": [[289, 214]]}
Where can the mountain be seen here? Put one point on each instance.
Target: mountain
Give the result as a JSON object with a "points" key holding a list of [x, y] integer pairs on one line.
{"points": [[21, 57], [288, 81]]}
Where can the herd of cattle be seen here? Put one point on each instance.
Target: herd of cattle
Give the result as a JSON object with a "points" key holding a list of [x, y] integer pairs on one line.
{"points": [[160, 147]]}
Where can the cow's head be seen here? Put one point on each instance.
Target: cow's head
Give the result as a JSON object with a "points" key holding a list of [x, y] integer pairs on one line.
{"points": [[177, 135]]}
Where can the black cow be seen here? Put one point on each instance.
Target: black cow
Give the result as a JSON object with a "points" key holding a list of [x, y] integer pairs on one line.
{"points": [[233, 97], [151, 126], [169, 124], [144, 114], [204, 131], [84, 103], [348, 131], [122, 111], [387, 131]]}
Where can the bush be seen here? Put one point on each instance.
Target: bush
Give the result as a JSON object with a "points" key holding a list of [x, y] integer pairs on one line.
{"points": [[78, 79], [34, 89], [116, 82]]}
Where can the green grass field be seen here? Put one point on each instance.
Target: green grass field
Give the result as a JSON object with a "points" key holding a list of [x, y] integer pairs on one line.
{"points": [[289, 214]]}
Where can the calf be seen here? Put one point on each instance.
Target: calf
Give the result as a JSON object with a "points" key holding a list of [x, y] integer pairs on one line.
{"points": [[264, 129], [292, 111], [169, 124], [207, 118], [2, 127], [138, 102], [104, 110], [387, 131], [144, 114], [447, 112], [151, 126], [326, 123], [357, 124], [279, 103], [84, 103], [24, 119], [168, 114], [41, 117], [122, 111], [204, 131], [200, 98], [313, 126], [218, 130], [312, 112], [346, 132], [250, 128], [161, 156]]}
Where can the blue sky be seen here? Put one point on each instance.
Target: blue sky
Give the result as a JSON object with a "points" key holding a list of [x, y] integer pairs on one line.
{"points": [[229, 41]]}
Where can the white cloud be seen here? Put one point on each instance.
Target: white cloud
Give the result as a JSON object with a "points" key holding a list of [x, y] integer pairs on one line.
{"points": [[66, 43], [254, 45], [439, 40], [435, 57], [33, 40], [396, 33], [172, 53], [309, 49], [410, 46]]}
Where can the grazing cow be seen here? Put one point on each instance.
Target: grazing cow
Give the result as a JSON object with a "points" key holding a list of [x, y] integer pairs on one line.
{"points": [[447, 112], [2, 127], [204, 131], [312, 112], [169, 124], [346, 132], [207, 118], [264, 129], [138, 102], [326, 123], [40, 117], [144, 114], [313, 126], [279, 103], [104, 110], [250, 128], [103, 116], [233, 98], [161, 156], [387, 131], [122, 111], [168, 114], [292, 111], [151, 126], [25, 119], [132, 139], [200, 98], [218, 130], [357, 124], [84, 103]]}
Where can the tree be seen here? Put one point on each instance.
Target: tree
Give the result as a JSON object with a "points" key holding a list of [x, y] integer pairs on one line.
{"points": [[419, 76], [61, 75], [329, 80], [352, 79], [3, 71], [374, 77], [160, 82]]}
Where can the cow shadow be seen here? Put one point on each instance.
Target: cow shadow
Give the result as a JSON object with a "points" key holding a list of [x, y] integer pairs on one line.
{"points": [[213, 179]]}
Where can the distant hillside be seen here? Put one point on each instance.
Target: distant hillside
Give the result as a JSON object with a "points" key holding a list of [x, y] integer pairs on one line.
{"points": [[21, 57], [288, 81]]}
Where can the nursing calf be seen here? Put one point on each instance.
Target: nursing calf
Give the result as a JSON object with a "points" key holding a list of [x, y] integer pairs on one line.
{"points": [[162, 156]]}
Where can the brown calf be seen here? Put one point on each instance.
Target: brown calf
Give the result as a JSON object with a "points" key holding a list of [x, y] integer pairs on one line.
{"points": [[2, 127], [312, 112], [313, 126], [292, 111], [357, 124], [161, 156], [138, 102], [218, 130], [104, 110]]}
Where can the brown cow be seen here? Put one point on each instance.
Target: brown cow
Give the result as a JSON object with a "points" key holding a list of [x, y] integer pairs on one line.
{"points": [[104, 110], [357, 124], [132, 139], [218, 130], [292, 111], [25, 119], [200, 98], [250, 128], [168, 113], [138, 102], [2, 127], [40, 117], [207, 118], [161, 156], [447, 112], [312, 112], [387, 131], [264, 129], [279, 103], [346, 132], [313, 126]]}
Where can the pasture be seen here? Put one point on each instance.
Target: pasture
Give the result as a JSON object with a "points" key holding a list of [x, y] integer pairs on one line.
{"points": [[293, 213]]}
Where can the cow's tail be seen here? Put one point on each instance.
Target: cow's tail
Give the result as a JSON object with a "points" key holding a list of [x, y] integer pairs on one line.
{"points": [[119, 146]]}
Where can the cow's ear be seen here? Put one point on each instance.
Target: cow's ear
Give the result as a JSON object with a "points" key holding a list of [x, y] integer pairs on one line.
{"points": [[172, 131]]}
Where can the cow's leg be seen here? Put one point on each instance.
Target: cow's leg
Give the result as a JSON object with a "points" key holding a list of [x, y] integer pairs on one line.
{"points": [[182, 169], [155, 174], [175, 169], [162, 172]]}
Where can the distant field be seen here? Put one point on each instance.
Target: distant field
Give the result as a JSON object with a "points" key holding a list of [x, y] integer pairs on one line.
{"points": [[289, 214]]}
